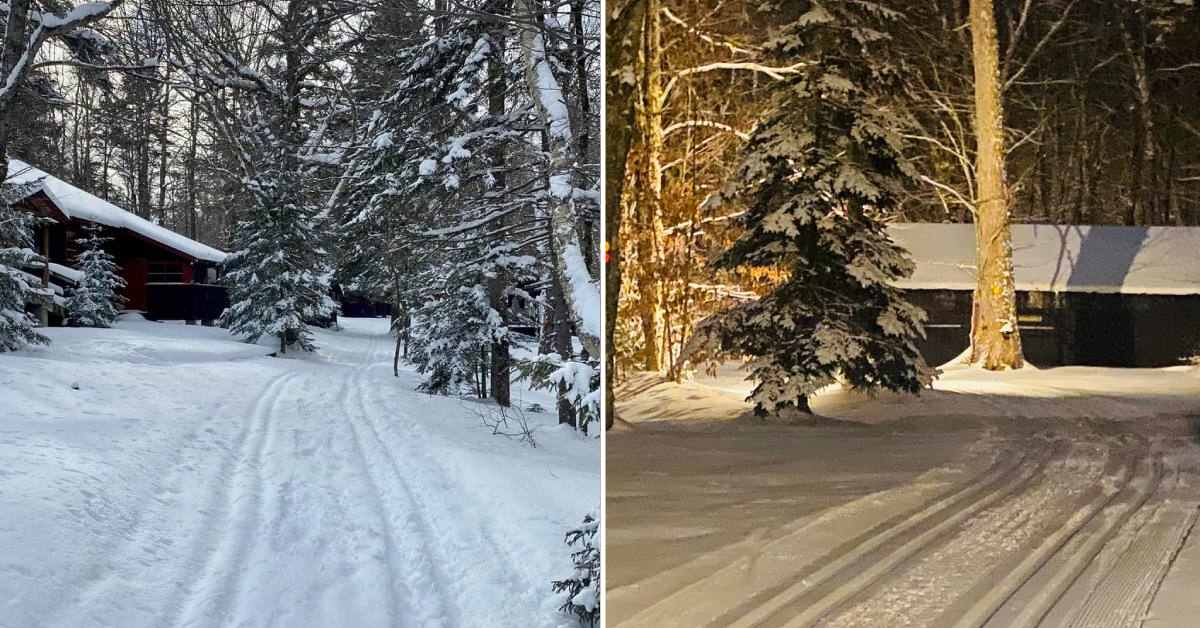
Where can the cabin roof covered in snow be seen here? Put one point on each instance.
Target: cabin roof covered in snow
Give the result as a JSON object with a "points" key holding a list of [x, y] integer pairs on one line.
{"points": [[76, 203], [1061, 258]]}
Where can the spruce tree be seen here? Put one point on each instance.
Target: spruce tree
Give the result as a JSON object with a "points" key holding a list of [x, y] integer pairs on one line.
{"points": [[96, 300], [279, 273], [582, 587], [17, 328], [817, 178]]}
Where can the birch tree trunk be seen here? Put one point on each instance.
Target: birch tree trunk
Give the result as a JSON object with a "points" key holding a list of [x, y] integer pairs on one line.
{"points": [[995, 339], [570, 267]]}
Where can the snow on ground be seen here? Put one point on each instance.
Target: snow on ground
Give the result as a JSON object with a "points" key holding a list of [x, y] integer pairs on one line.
{"points": [[1063, 392], [167, 475], [994, 500]]}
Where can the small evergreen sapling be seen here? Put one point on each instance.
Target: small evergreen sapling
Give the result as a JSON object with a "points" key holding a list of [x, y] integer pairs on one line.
{"points": [[96, 300], [582, 589], [17, 328], [817, 179]]}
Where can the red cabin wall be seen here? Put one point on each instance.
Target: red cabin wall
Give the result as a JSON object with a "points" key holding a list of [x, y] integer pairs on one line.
{"points": [[133, 271]]}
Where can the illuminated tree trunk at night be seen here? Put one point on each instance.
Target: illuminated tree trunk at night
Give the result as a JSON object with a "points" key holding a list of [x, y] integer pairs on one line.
{"points": [[622, 42], [647, 228], [995, 339]]}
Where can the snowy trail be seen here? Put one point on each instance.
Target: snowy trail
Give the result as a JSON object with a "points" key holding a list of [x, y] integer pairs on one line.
{"points": [[309, 492], [1065, 523]]}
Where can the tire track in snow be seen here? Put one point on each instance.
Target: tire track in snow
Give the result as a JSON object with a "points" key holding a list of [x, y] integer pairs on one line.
{"points": [[214, 592]]}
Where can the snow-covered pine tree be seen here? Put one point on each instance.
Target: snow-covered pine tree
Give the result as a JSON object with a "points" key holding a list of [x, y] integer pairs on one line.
{"points": [[96, 300], [17, 328], [455, 326], [817, 178], [279, 273], [582, 588], [439, 210], [396, 190]]}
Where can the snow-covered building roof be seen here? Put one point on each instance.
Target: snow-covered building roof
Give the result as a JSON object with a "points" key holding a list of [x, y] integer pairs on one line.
{"points": [[78, 204], [1061, 258]]}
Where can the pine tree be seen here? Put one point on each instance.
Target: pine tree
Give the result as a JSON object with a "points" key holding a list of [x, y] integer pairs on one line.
{"points": [[817, 178], [96, 300], [456, 327], [582, 588], [17, 328], [279, 274]]}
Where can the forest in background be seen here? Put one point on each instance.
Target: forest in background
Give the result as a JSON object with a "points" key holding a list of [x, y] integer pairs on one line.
{"points": [[1097, 130]]}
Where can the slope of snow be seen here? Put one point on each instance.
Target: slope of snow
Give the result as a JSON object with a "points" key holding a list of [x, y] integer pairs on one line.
{"points": [[1060, 258], [76, 203], [159, 474], [961, 391]]}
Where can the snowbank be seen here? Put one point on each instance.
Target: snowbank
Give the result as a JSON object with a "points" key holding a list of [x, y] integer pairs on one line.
{"points": [[961, 391]]}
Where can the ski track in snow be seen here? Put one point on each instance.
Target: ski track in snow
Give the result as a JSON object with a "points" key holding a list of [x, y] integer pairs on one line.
{"points": [[325, 492], [1069, 524]]}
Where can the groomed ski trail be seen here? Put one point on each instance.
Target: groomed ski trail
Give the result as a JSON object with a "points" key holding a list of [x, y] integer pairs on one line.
{"points": [[1070, 524], [325, 491]]}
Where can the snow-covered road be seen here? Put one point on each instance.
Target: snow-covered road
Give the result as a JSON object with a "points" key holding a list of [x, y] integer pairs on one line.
{"points": [[160, 475]]}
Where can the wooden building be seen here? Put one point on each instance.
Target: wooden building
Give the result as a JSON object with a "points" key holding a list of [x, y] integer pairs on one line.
{"points": [[169, 276], [1086, 295]]}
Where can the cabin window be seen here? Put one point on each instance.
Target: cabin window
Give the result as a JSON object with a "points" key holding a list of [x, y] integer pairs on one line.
{"points": [[210, 275], [165, 272]]}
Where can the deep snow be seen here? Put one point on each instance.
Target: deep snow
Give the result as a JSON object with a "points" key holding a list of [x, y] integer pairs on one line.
{"points": [[166, 475]]}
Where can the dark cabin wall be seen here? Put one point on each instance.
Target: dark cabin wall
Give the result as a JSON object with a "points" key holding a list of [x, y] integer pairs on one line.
{"points": [[1083, 329]]}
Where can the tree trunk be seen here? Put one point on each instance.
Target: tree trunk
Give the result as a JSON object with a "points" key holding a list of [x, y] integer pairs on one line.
{"points": [[569, 258], [14, 49], [622, 37], [562, 346], [193, 135], [995, 339], [164, 122], [501, 362], [648, 202], [1142, 192]]}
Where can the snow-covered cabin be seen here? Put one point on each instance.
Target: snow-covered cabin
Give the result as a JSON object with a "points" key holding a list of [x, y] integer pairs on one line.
{"points": [[1086, 294], [169, 276]]}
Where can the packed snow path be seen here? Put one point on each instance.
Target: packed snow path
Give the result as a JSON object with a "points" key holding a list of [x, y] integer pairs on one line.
{"points": [[193, 482], [925, 522]]}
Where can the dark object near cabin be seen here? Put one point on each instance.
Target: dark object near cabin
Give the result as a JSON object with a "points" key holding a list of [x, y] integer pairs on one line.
{"points": [[1086, 295]]}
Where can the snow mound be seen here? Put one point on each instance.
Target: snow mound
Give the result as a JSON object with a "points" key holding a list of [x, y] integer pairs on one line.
{"points": [[1068, 392]]}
